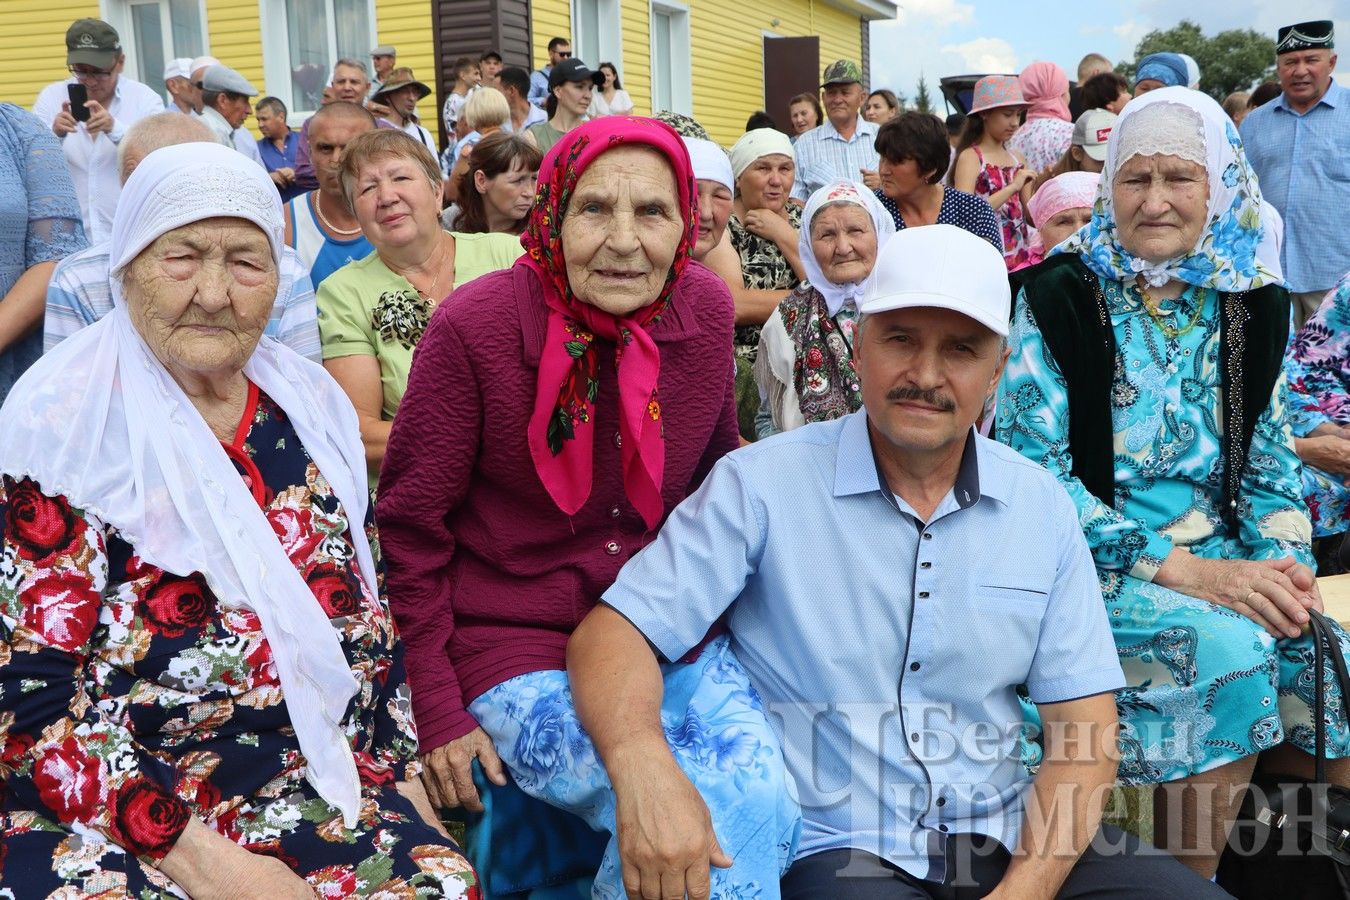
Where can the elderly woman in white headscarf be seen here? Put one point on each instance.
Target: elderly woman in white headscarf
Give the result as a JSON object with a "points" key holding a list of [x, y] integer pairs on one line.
{"points": [[202, 688], [1146, 374], [805, 363]]}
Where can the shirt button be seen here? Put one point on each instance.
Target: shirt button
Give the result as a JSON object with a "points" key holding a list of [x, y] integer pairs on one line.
{"points": [[914, 737], [942, 801], [613, 548], [914, 667], [925, 565], [942, 828], [618, 439], [923, 595], [927, 535], [615, 513]]}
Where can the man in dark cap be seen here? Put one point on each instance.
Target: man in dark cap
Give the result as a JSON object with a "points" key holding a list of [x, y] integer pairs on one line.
{"points": [[1297, 145], [844, 145], [90, 135]]}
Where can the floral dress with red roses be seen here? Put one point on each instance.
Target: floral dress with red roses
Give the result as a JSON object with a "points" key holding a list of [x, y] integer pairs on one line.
{"points": [[130, 701]]}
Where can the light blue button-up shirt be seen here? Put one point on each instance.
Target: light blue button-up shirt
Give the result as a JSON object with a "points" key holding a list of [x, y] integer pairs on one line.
{"points": [[1303, 162], [823, 155], [887, 650]]}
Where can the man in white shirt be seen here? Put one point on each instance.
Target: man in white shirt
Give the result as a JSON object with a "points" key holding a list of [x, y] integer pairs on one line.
{"points": [[400, 95], [90, 135], [225, 107], [184, 96]]}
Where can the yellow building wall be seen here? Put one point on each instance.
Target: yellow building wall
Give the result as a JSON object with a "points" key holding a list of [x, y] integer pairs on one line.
{"points": [[727, 44], [407, 25], [33, 45], [727, 53]]}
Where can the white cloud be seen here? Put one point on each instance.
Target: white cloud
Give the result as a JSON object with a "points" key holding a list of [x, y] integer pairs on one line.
{"points": [[984, 55], [939, 13], [1130, 32]]}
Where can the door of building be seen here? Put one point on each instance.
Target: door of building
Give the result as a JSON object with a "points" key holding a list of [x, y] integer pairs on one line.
{"points": [[791, 67]]}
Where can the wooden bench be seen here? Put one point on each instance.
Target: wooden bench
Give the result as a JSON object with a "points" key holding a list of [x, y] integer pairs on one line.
{"points": [[1336, 597]]}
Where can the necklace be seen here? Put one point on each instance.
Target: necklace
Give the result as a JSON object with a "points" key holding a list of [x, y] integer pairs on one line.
{"points": [[318, 208], [1151, 307], [430, 292]]}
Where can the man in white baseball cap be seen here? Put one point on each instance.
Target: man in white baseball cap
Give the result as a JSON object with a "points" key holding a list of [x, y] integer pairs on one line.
{"points": [[184, 96], [890, 579]]}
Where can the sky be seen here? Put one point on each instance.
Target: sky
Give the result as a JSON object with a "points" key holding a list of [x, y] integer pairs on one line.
{"points": [[957, 37]]}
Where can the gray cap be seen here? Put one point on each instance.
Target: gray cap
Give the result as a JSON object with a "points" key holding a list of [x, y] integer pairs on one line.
{"points": [[226, 80], [384, 50]]}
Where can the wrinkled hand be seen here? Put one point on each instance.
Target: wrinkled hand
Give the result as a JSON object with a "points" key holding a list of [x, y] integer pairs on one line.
{"points": [[64, 123], [1328, 452], [283, 177], [447, 771], [666, 840], [1274, 594], [871, 178], [100, 120], [771, 226], [209, 866], [379, 110], [416, 794]]}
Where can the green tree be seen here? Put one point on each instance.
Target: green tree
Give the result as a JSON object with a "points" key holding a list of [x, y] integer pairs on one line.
{"points": [[1234, 60], [923, 102]]}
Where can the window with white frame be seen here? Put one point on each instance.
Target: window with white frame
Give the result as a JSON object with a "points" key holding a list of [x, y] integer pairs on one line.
{"points": [[671, 79], [303, 38], [156, 31], [597, 32]]}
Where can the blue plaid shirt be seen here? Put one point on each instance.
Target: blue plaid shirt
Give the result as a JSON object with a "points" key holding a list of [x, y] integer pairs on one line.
{"points": [[887, 650], [79, 295], [822, 155], [1304, 167]]}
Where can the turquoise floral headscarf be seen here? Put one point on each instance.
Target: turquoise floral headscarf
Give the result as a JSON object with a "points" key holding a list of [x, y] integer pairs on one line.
{"points": [[1224, 259]]}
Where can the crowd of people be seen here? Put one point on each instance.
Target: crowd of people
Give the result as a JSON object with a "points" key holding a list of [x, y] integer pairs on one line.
{"points": [[841, 512]]}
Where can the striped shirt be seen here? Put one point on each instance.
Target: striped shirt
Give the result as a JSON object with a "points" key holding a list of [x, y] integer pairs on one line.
{"points": [[822, 156], [1304, 169], [79, 295]]}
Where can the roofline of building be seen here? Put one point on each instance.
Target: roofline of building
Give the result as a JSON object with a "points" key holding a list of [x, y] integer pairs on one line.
{"points": [[866, 9]]}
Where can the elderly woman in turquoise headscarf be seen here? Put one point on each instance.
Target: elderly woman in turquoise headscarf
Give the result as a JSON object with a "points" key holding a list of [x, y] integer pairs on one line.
{"points": [[1146, 374]]}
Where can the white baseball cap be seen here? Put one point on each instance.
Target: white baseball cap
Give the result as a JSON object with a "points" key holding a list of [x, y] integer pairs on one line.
{"points": [[178, 68], [945, 267]]}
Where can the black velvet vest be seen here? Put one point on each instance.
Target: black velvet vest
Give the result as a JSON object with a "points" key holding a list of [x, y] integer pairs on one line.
{"points": [[1066, 301]]}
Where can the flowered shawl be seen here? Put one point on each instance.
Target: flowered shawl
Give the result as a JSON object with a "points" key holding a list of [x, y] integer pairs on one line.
{"points": [[822, 368], [1224, 258], [562, 427]]}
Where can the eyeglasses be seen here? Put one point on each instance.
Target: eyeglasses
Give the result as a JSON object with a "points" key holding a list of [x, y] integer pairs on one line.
{"points": [[90, 75], [564, 54]]}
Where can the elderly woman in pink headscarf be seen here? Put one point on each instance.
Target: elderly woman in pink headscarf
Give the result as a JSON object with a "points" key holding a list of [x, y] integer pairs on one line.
{"points": [[1048, 130], [1061, 206]]}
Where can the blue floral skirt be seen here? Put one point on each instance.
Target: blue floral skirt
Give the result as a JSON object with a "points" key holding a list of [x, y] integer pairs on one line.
{"points": [[1207, 686], [1328, 499], [719, 735]]}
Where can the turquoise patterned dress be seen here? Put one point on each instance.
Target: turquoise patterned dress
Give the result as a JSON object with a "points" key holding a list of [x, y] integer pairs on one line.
{"points": [[1207, 686]]}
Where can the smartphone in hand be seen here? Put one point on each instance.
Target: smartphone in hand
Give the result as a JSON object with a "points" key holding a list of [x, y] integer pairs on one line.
{"points": [[79, 96]]}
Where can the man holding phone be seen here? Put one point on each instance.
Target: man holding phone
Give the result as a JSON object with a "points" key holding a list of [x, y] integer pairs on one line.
{"points": [[90, 112]]}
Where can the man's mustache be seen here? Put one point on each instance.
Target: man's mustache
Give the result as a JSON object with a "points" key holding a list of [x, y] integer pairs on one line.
{"points": [[929, 397]]}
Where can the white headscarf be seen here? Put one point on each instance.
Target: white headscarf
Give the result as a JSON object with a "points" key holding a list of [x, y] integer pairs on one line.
{"points": [[836, 295], [101, 421], [756, 143], [709, 161]]}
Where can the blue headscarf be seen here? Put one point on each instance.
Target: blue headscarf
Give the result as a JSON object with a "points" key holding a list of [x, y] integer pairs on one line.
{"points": [[1224, 258], [1169, 68]]}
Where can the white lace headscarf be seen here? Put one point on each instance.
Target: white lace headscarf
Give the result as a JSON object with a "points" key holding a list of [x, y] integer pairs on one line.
{"points": [[1177, 121], [101, 421], [838, 295]]}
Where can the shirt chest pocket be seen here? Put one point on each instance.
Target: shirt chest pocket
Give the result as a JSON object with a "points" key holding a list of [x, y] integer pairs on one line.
{"points": [[1006, 614]]}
